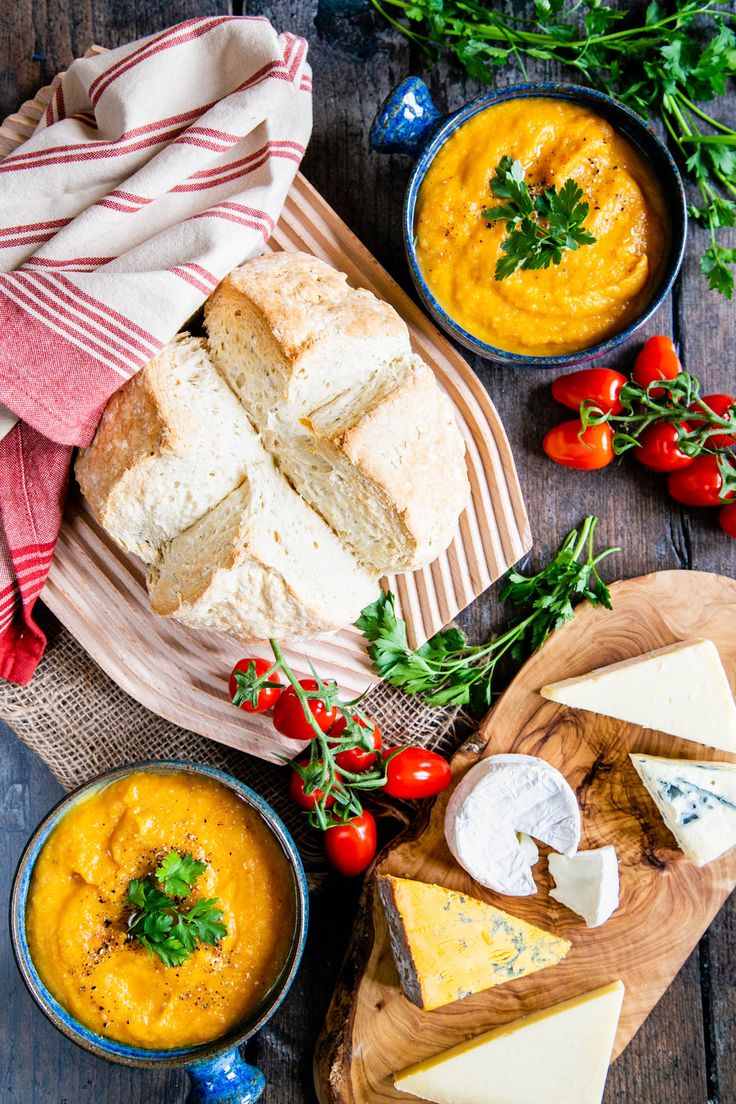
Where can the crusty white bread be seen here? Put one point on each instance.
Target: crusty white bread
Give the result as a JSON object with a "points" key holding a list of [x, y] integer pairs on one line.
{"points": [[172, 442], [355, 420], [260, 564]]}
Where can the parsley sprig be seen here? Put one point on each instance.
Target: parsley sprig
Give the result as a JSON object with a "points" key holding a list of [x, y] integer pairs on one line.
{"points": [[160, 924], [669, 63], [449, 671], [540, 226]]}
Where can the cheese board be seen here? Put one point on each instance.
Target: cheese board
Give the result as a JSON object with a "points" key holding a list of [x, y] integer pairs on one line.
{"points": [[372, 1030], [98, 592]]}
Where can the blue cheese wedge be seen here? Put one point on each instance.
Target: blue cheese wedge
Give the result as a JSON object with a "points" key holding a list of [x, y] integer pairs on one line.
{"points": [[681, 689], [587, 883], [697, 801], [557, 1056], [494, 808]]}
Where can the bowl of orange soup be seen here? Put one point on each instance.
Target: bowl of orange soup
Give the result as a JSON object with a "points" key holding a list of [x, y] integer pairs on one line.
{"points": [[158, 918], [597, 293]]}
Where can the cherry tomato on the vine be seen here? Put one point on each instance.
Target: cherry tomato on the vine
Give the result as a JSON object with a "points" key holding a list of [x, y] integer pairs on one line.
{"points": [[252, 669], [658, 360], [699, 484], [290, 720], [659, 448], [727, 519], [415, 772], [590, 452], [601, 385], [351, 846], [306, 800], [356, 759], [720, 405]]}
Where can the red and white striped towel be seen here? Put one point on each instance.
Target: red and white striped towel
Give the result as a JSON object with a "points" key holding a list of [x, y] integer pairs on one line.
{"points": [[157, 169]]}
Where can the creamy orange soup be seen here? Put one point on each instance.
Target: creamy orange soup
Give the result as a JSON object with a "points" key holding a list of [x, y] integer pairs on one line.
{"points": [[77, 916], [597, 289]]}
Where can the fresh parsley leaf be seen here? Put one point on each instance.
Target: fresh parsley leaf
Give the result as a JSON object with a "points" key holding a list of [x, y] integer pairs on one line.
{"points": [[539, 227], [159, 924], [716, 264]]}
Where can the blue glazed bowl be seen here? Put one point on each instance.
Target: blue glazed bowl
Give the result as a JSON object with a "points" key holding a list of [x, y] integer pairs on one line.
{"points": [[409, 122], [217, 1073]]}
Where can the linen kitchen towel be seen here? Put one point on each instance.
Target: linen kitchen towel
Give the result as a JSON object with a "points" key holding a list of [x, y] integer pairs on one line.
{"points": [[158, 168]]}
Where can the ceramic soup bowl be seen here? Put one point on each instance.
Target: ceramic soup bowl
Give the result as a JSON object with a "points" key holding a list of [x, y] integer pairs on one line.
{"points": [[408, 122], [217, 1072]]}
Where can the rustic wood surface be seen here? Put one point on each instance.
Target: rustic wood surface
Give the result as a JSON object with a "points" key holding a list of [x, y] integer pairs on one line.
{"points": [[372, 1030], [684, 1053]]}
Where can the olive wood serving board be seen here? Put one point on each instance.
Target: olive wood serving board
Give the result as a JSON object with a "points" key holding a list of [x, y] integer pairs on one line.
{"points": [[99, 593], [667, 903]]}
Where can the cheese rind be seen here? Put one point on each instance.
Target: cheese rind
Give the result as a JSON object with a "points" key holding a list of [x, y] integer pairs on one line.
{"points": [[697, 802], [499, 800], [557, 1056], [681, 689], [447, 945], [587, 883]]}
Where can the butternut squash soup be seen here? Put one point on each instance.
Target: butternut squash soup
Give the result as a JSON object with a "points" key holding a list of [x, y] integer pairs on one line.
{"points": [[81, 925], [596, 289]]}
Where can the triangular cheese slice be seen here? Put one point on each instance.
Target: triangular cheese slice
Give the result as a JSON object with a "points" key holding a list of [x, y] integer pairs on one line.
{"points": [[697, 801], [448, 945], [681, 690], [557, 1056]]}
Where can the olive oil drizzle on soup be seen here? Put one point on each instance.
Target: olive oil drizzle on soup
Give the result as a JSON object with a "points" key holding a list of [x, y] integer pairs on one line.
{"points": [[597, 289], [77, 917]]}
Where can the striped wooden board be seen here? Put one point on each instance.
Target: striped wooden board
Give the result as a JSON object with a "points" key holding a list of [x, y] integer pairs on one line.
{"points": [[99, 593]]}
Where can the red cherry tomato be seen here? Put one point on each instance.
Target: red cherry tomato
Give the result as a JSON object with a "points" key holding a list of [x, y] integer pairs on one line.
{"points": [[415, 772], [587, 453], [351, 846], [356, 759], [659, 448], [306, 800], [722, 406], [699, 484], [601, 385], [289, 718], [727, 519], [658, 360], [266, 699]]}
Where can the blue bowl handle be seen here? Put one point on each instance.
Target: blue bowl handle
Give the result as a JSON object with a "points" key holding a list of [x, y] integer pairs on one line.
{"points": [[226, 1079], [406, 119]]}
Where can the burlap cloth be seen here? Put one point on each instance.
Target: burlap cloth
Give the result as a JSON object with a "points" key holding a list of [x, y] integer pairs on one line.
{"points": [[81, 723]]}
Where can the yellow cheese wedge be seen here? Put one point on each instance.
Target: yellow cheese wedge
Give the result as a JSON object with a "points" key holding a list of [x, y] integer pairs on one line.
{"points": [[557, 1056], [448, 945]]}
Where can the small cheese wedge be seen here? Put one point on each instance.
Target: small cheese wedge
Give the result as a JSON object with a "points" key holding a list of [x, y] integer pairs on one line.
{"points": [[447, 945], [681, 689], [697, 801], [587, 883], [495, 806], [557, 1056]]}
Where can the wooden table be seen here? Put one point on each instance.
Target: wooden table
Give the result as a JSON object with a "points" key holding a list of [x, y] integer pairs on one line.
{"points": [[685, 1052]]}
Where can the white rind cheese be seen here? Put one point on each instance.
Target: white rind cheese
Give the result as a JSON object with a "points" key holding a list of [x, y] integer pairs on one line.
{"points": [[587, 883], [557, 1056], [681, 689], [498, 800], [697, 801]]}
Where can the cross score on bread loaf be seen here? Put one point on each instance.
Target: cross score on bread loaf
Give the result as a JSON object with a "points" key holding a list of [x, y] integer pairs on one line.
{"points": [[272, 472]]}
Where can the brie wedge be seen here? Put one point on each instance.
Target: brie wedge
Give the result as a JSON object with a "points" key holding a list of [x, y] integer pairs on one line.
{"points": [[498, 799], [681, 690], [557, 1056], [697, 801], [587, 883]]}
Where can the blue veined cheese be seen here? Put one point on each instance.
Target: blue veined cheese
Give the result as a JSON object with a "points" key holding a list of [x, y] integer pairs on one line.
{"points": [[697, 801], [499, 802], [681, 689], [559, 1055]]}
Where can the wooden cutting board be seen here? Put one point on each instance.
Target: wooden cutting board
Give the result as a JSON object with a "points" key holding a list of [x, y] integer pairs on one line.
{"points": [[667, 903], [99, 593]]}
